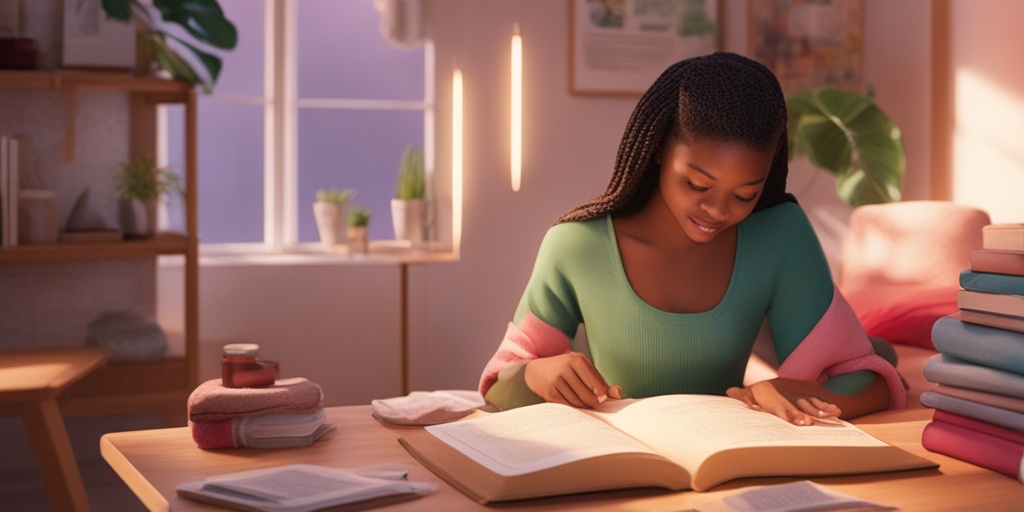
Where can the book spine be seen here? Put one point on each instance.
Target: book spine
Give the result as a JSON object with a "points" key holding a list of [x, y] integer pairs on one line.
{"points": [[974, 447], [998, 303], [995, 348], [11, 214], [1003, 237], [1011, 323], [993, 283], [998, 262], [4, 171]]}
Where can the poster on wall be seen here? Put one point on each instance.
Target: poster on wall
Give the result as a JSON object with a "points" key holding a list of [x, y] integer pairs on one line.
{"points": [[809, 43], [92, 40], [621, 46]]}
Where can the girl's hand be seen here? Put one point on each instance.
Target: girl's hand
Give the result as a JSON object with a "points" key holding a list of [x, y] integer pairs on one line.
{"points": [[569, 379], [795, 401]]}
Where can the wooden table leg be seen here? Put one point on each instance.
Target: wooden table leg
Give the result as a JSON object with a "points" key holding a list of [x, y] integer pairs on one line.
{"points": [[52, 447]]}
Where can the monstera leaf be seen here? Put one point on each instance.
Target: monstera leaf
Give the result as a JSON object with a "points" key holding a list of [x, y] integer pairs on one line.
{"points": [[845, 133], [202, 19]]}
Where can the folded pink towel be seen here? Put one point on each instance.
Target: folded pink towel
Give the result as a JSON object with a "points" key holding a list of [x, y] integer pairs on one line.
{"points": [[212, 402]]}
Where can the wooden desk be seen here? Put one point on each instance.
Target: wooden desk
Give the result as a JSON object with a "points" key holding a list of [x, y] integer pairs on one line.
{"points": [[154, 462], [30, 382]]}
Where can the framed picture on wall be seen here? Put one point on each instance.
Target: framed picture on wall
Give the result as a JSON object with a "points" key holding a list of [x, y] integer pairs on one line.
{"points": [[92, 40], [621, 46], [809, 43]]}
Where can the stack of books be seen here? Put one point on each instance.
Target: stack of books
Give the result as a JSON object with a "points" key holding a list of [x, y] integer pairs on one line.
{"points": [[979, 400]]}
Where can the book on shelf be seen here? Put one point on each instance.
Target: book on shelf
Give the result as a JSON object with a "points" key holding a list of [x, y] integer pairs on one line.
{"points": [[998, 303], [1012, 323], [306, 487], [9, 191], [674, 442], [1006, 237], [993, 283], [998, 262]]}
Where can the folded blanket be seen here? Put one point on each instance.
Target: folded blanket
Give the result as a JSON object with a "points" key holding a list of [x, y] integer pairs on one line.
{"points": [[1001, 401], [978, 448], [952, 371], [987, 346], [997, 416], [263, 431], [211, 401]]}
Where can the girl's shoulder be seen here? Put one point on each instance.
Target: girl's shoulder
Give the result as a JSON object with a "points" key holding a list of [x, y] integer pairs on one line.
{"points": [[578, 235], [786, 221]]}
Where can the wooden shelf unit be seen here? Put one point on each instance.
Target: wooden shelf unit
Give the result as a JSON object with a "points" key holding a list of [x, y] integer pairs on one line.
{"points": [[161, 386]]}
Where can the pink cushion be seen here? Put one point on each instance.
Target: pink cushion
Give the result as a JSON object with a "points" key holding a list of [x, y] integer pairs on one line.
{"points": [[903, 315]]}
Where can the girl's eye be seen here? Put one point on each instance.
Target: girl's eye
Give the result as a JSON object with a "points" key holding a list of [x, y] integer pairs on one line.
{"points": [[695, 187], [746, 199]]}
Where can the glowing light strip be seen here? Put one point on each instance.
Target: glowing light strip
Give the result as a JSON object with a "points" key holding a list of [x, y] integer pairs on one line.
{"points": [[456, 160], [517, 108]]}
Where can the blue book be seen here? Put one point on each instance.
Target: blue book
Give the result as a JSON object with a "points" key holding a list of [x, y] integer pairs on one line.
{"points": [[993, 283], [988, 346], [945, 369]]}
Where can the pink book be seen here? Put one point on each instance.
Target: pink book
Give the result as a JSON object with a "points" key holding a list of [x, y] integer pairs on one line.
{"points": [[998, 262], [978, 448]]}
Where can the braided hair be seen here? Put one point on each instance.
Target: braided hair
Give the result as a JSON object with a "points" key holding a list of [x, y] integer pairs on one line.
{"points": [[721, 96]]}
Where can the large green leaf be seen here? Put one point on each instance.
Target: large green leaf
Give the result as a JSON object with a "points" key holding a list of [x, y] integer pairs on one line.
{"points": [[203, 19], [118, 9], [846, 134]]}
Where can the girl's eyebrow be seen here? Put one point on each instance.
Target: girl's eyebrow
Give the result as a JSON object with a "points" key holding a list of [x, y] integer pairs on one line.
{"points": [[712, 178]]}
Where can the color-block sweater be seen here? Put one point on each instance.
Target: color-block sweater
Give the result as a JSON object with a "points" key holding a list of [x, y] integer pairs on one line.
{"points": [[780, 273]]}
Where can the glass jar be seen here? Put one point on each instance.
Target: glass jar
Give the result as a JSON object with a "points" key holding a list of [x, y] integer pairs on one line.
{"points": [[241, 367]]}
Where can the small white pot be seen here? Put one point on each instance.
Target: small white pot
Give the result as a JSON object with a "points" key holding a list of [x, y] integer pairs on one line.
{"points": [[358, 239], [330, 222], [409, 218]]}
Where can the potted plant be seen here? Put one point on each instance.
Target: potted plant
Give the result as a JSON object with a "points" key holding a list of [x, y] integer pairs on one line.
{"points": [[409, 206], [329, 212], [358, 230], [846, 134], [140, 185], [202, 19]]}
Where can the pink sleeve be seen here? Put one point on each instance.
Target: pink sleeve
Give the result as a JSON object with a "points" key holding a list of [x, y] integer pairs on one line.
{"points": [[529, 340], [838, 345]]}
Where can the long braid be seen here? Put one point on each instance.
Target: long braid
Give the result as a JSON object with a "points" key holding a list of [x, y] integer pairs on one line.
{"points": [[713, 96]]}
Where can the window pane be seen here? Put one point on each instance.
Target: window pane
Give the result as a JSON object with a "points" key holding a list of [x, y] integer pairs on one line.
{"points": [[342, 54], [357, 149], [242, 71], [230, 172]]}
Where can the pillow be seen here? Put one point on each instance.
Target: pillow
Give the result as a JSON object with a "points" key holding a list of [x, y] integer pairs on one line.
{"points": [[903, 315]]}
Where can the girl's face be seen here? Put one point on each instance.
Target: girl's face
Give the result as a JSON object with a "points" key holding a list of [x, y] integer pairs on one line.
{"points": [[711, 185]]}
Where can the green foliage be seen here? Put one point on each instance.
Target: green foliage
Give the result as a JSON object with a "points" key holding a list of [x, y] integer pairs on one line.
{"points": [[202, 19], [845, 133], [142, 180], [334, 195], [359, 217], [412, 180]]}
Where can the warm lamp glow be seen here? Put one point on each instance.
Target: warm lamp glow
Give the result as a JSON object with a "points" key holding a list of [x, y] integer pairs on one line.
{"points": [[517, 108], [456, 159]]}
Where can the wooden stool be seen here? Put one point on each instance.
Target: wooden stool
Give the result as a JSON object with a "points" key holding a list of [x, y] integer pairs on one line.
{"points": [[30, 382]]}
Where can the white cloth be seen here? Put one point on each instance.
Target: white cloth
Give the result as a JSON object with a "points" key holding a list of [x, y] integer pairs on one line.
{"points": [[427, 407]]}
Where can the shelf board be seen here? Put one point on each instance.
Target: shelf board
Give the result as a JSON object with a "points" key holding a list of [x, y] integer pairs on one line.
{"points": [[129, 388], [78, 79], [162, 244]]}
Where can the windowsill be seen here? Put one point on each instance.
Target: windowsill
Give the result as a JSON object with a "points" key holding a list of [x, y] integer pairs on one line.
{"points": [[381, 252]]}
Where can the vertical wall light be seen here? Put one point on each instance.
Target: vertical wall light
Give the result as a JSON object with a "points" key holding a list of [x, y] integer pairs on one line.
{"points": [[456, 159], [517, 108]]}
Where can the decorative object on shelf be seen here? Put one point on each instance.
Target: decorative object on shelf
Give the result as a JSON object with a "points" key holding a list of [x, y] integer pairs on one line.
{"points": [[846, 134], [93, 39], [202, 19], [358, 230], [86, 225], [130, 337], [409, 207], [18, 53], [140, 184], [329, 212], [38, 216]]}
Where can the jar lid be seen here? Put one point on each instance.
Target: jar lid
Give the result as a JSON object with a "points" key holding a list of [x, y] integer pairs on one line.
{"points": [[241, 350]]}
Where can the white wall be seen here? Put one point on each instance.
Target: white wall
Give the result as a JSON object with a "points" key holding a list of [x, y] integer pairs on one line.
{"points": [[459, 311]]}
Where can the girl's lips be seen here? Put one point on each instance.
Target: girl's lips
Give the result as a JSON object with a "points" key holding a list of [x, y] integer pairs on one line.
{"points": [[704, 227]]}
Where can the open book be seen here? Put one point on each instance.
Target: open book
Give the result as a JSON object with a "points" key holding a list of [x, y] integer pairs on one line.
{"points": [[671, 441]]}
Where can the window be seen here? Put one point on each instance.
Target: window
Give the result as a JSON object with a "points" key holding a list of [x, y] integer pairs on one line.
{"points": [[312, 97]]}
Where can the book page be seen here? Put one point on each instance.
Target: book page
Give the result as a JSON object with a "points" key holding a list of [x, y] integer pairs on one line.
{"points": [[527, 439], [689, 428]]}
